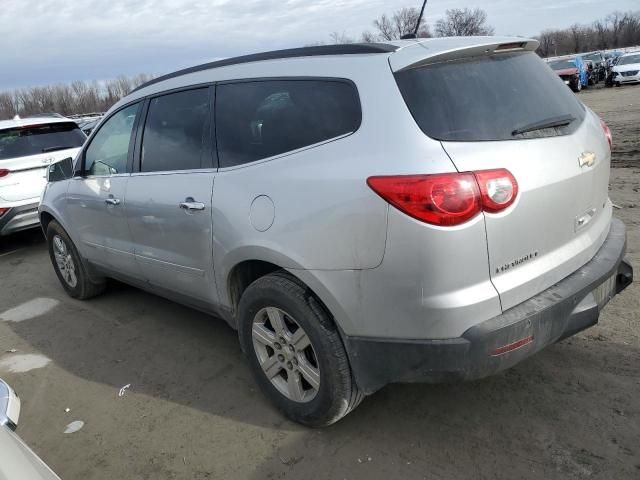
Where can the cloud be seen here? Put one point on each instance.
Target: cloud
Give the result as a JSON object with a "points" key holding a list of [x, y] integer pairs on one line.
{"points": [[48, 41]]}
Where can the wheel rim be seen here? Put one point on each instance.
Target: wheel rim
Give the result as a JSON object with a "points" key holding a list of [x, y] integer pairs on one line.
{"points": [[64, 260], [286, 355]]}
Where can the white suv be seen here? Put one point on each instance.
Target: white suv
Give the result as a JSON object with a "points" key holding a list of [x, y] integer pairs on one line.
{"points": [[27, 147]]}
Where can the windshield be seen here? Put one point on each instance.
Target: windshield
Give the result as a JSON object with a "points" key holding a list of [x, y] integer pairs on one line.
{"points": [[628, 60], [593, 56], [35, 139], [487, 98], [562, 64]]}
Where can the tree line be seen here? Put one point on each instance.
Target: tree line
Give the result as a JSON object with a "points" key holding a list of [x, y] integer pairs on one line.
{"points": [[616, 30], [68, 99]]}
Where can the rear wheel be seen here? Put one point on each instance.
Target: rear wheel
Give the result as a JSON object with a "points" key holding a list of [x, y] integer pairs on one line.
{"points": [[68, 265], [295, 352]]}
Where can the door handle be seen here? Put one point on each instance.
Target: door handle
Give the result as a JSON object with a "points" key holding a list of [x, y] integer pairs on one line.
{"points": [[112, 201], [190, 204]]}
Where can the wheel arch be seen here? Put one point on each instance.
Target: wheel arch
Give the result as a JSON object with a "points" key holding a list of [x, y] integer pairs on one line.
{"points": [[247, 271]]}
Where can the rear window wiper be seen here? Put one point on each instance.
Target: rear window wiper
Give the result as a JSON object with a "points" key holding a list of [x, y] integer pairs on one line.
{"points": [[559, 121], [58, 147]]}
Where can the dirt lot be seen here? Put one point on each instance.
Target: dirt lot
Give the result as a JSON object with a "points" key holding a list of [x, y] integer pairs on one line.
{"points": [[193, 411]]}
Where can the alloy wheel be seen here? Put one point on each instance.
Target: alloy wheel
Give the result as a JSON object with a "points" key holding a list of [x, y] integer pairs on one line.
{"points": [[64, 260], [286, 354]]}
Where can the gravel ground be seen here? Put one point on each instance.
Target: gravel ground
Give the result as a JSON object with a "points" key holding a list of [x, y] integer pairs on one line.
{"points": [[192, 410]]}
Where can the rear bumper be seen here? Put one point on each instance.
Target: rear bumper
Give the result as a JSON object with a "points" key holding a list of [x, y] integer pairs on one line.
{"points": [[19, 218], [564, 309]]}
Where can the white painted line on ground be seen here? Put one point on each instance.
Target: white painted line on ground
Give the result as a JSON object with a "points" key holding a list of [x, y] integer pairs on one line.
{"points": [[28, 310], [23, 363], [10, 252]]}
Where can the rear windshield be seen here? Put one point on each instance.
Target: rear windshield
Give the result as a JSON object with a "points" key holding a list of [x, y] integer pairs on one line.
{"points": [[562, 64], [36, 139], [488, 98]]}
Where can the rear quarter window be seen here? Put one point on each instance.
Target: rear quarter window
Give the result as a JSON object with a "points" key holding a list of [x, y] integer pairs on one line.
{"points": [[487, 98], [261, 119]]}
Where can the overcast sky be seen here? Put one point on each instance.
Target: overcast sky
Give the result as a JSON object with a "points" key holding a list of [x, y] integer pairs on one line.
{"points": [[50, 41]]}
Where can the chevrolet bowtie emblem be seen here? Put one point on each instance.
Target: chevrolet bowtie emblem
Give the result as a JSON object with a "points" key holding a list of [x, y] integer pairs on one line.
{"points": [[587, 159]]}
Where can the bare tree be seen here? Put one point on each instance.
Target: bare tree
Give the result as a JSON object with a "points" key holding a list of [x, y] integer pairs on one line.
{"points": [[463, 22], [401, 22]]}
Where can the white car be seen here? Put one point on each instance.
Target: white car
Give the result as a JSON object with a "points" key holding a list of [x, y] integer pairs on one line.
{"points": [[27, 147], [627, 70], [17, 460]]}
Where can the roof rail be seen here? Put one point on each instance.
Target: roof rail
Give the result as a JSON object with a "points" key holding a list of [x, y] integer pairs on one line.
{"points": [[346, 49]]}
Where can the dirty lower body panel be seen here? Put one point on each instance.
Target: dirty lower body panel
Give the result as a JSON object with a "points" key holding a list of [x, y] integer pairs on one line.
{"points": [[562, 310]]}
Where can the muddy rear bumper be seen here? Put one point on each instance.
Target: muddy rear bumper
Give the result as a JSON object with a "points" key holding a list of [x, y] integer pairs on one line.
{"points": [[562, 310]]}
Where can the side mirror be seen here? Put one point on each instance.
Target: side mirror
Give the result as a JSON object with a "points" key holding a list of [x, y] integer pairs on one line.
{"points": [[60, 170], [9, 406]]}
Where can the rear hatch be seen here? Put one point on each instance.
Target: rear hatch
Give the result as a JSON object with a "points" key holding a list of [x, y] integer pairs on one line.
{"points": [[507, 109], [25, 153]]}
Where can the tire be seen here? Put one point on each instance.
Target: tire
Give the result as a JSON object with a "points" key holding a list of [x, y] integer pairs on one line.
{"points": [[69, 266], [579, 86], [311, 385]]}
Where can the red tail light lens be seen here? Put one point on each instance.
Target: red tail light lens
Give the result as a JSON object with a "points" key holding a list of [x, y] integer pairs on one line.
{"points": [[3, 211], [447, 199], [498, 189], [443, 199], [4, 172], [607, 132]]}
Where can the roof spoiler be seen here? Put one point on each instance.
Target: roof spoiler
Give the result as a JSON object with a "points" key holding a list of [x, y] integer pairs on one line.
{"points": [[435, 50]]}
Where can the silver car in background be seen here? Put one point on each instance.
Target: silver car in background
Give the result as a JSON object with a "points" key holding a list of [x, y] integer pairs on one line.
{"points": [[419, 210]]}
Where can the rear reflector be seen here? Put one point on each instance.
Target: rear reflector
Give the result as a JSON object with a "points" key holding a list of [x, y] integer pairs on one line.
{"points": [[512, 346], [4, 172], [447, 199]]}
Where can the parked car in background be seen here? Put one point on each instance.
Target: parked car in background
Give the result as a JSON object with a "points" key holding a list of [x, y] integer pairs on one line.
{"points": [[260, 189], [27, 147], [627, 69], [17, 460], [599, 64], [572, 71], [87, 126]]}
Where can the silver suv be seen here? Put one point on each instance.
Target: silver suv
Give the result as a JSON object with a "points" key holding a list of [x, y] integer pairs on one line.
{"points": [[421, 210]]}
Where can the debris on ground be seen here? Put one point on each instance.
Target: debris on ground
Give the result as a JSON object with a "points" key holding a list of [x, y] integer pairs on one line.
{"points": [[74, 426], [123, 389]]}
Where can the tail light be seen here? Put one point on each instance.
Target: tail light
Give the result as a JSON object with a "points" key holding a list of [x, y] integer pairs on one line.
{"points": [[4, 172], [498, 189], [607, 133], [3, 211], [450, 198]]}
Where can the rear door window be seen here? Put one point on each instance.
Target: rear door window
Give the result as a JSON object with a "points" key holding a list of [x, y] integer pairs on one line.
{"points": [[37, 139], [260, 119], [175, 131], [487, 98]]}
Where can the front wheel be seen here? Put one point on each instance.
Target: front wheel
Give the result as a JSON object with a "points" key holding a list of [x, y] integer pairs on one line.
{"points": [[295, 351], [68, 265]]}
